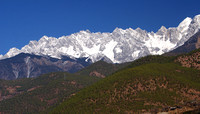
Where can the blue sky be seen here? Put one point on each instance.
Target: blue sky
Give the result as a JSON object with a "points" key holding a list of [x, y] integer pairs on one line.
{"points": [[25, 20]]}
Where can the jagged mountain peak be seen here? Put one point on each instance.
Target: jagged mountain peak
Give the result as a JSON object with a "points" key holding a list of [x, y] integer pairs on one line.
{"points": [[196, 21], [119, 30], [184, 25], [197, 18], [130, 29], [12, 52], [138, 29], [85, 31], [162, 30], [122, 45], [44, 37]]}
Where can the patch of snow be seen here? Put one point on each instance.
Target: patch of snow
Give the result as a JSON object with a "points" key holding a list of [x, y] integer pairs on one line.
{"points": [[135, 54], [68, 51], [28, 66], [109, 47], [1, 57], [12, 52], [197, 19], [156, 42], [16, 73], [91, 51], [118, 50]]}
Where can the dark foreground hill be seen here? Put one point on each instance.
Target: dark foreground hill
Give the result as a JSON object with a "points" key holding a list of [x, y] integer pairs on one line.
{"points": [[151, 84], [35, 95]]}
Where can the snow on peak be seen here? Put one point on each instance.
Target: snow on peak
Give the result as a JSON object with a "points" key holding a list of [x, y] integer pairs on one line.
{"points": [[197, 19], [44, 38], [184, 25], [85, 31], [161, 31], [119, 46], [163, 28], [119, 30], [12, 52], [139, 29], [1, 57]]}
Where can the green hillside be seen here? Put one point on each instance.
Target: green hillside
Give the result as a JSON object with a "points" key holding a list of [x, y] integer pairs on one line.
{"points": [[149, 84], [34, 95], [102, 68]]}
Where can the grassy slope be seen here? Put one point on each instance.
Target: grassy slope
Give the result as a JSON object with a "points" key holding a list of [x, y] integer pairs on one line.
{"points": [[42, 92], [148, 86]]}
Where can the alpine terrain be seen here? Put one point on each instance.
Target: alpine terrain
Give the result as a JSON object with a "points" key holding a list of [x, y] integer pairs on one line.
{"points": [[74, 52], [117, 47]]}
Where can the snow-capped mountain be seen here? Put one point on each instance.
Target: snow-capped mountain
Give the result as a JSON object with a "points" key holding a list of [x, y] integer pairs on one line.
{"points": [[119, 46]]}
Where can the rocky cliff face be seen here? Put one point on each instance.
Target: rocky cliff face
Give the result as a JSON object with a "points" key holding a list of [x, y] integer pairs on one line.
{"points": [[27, 65]]}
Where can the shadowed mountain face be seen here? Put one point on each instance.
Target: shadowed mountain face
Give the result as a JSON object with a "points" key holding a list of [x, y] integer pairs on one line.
{"points": [[192, 44], [27, 65]]}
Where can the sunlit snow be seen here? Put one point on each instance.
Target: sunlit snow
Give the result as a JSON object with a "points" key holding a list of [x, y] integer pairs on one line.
{"points": [[119, 46], [109, 50]]}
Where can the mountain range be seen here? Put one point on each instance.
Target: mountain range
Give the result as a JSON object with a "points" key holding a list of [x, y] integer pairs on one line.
{"points": [[117, 47], [76, 51]]}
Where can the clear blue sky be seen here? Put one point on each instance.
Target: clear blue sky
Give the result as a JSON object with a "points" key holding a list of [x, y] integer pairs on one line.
{"points": [[25, 20]]}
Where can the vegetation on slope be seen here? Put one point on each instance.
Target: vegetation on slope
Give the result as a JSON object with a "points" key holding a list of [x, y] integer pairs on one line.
{"points": [[34, 95], [190, 60], [149, 84], [102, 67]]}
